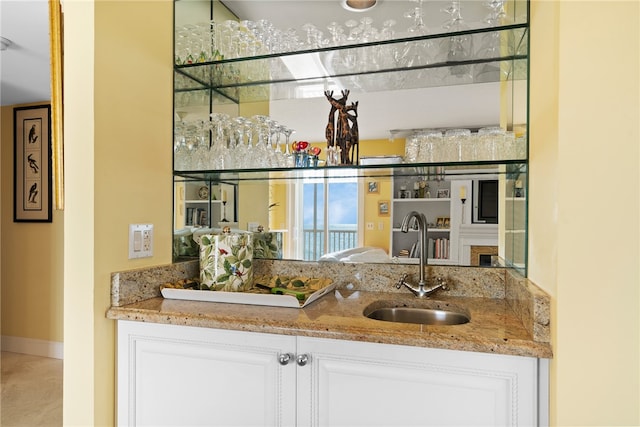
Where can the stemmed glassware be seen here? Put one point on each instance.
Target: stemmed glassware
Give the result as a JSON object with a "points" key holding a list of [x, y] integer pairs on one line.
{"points": [[288, 156], [262, 124], [490, 42], [417, 14], [459, 47], [180, 150], [219, 154], [200, 153], [422, 52]]}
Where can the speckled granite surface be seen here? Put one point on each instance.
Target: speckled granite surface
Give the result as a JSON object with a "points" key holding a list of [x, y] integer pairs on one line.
{"points": [[509, 315], [128, 287], [532, 305]]}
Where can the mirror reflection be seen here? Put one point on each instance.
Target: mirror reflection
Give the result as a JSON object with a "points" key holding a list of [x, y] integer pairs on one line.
{"points": [[474, 202], [475, 214]]}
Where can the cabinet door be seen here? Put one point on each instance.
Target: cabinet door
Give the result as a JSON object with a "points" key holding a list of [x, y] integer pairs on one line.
{"points": [[179, 375], [365, 384]]}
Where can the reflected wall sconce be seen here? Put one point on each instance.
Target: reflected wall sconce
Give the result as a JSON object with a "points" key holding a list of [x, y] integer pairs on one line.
{"points": [[358, 5]]}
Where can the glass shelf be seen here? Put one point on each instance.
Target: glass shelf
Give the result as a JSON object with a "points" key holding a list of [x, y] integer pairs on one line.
{"points": [[506, 167], [499, 54]]}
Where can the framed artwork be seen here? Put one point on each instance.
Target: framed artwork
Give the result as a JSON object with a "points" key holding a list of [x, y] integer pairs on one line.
{"points": [[383, 208], [372, 187], [443, 222], [32, 164], [443, 193]]}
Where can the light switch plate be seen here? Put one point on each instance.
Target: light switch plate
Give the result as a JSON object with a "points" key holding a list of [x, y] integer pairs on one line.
{"points": [[140, 240]]}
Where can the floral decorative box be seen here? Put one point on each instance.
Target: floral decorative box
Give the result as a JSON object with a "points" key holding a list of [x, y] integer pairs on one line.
{"points": [[226, 262], [267, 244]]}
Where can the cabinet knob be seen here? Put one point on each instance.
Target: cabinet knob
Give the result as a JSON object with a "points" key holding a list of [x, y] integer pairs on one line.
{"points": [[303, 359], [285, 358]]}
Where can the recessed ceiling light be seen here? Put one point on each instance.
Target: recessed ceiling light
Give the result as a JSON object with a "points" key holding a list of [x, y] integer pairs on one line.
{"points": [[5, 43], [358, 5]]}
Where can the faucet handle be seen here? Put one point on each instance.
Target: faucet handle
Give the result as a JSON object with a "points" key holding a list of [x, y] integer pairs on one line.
{"points": [[402, 281], [442, 283]]}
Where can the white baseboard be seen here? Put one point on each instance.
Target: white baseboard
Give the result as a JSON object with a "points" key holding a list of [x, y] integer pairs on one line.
{"points": [[32, 346]]}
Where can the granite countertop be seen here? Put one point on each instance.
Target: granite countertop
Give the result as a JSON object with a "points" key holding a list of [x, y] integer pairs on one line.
{"points": [[494, 326]]}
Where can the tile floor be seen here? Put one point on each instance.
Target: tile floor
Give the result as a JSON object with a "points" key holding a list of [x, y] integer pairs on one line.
{"points": [[31, 391]]}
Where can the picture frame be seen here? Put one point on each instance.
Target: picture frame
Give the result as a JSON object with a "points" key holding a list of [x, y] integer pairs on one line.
{"points": [[32, 189], [443, 193], [383, 208], [443, 222], [372, 187]]}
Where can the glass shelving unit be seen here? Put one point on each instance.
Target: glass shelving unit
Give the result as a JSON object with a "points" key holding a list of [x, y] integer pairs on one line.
{"points": [[276, 76]]}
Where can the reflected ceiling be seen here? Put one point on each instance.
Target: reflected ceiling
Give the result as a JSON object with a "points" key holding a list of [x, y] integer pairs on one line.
{"points": [[24, 66]]}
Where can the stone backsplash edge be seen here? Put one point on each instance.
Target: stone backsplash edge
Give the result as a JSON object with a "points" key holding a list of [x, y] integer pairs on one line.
{"points": [[531, 304], [131, 286]]}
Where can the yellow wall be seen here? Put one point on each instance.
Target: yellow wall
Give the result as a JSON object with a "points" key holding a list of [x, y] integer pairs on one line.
{"points": [[585, 147], [584, 171], [118, 119], [31, 259], [380, 235]]}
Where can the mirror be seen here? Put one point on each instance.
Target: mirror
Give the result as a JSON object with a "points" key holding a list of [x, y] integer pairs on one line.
{"points": [[364, 205]]}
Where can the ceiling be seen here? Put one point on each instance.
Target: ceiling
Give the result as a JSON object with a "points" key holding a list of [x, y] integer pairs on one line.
{"points": [[24, 66], [294, 14]]}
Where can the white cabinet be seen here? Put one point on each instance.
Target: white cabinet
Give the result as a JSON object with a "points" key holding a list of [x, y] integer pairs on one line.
{"points": [[179, 375]]}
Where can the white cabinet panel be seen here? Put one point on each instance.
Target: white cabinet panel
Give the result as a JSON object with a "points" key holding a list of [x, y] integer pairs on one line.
{"points": [[364, 384], [192, 376]]}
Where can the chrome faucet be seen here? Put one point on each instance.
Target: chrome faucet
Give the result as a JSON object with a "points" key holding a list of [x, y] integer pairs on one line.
{"points": [[422, 290]]}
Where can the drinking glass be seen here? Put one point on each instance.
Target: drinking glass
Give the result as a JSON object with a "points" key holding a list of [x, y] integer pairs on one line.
{"points": [[509, 147], [261, 123], [337, 34], [430, 146], [456, 144], [242, 152], [279, 159], [219, 153], [458, 48], [289, 160], [521, 146], [490, 141], [411, 148], [200, 154]]}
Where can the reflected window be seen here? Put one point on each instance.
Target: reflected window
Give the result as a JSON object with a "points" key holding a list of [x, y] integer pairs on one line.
{"points": [[329, 214]]}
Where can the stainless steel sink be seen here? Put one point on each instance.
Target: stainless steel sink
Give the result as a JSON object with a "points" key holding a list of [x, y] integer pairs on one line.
{"points": [[436, 315]]}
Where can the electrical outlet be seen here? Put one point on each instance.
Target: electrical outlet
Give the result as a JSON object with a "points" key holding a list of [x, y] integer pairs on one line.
{"points": [[140, 240], [369, 226]]}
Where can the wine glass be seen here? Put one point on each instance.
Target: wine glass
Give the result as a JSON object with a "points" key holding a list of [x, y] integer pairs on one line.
{"points": [[219, 153], [261, 150], [289, 159], [459, 48], [417, 14]]}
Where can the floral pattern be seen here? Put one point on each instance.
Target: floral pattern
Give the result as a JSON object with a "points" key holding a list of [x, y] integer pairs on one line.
{"points": [[226, 262]]}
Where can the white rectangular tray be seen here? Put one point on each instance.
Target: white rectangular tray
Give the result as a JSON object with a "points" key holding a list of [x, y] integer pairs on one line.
{"points": [[244, 297]]}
